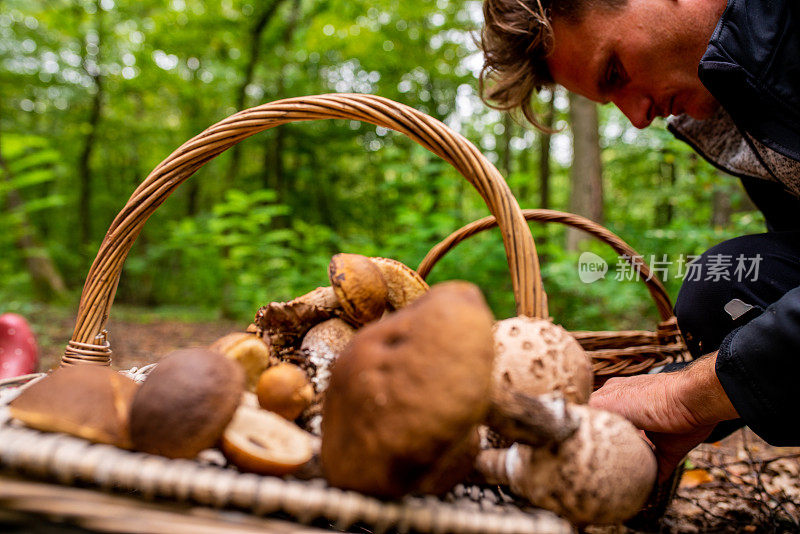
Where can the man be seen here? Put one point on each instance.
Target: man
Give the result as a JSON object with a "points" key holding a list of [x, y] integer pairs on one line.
{"points": [[729, 74]]}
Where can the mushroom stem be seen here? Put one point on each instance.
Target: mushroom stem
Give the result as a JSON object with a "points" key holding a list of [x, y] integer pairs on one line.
{"points": [[538, 421], [491, 464], [602, 474], [284, 323]]}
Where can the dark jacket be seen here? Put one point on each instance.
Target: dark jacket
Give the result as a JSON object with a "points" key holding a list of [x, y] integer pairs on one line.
{"points": [[752, 67]]}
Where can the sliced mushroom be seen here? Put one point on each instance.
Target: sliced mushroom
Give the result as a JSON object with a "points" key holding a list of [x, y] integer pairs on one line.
{"points": [[88, 401], [258, 441]]}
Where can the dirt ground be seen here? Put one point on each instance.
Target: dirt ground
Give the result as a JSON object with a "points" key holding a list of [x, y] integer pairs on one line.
{"points": [[740, 484]]}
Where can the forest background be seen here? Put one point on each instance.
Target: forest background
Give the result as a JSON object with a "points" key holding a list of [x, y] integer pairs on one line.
{"points": [[95, 93]]}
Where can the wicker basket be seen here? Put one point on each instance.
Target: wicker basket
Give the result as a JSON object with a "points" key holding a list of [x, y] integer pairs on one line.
{"points": [[70, 460], [613, 353]]}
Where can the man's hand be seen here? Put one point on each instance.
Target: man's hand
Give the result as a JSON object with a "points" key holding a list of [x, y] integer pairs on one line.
{"points": [[676, 410]]}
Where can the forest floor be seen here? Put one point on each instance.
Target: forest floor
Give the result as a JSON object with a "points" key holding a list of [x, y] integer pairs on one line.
{"points": [[740, 484]]}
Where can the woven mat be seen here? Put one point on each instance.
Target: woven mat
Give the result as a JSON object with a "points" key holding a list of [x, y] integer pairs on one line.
{"points": [[207, 481]]}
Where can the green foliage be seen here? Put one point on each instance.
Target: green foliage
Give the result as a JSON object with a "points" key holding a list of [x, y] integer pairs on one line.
{"points": [[104, 90], [26, 196]]}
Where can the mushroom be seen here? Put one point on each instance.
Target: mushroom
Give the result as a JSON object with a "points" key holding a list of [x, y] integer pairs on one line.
{"points": [[285, 323], [248, 350], [321, 346], [403, 283], [285, 390], [407, 395], [185, 403], [88, 401], [541, 421], [534, 356], [359, 286], [357, 292], [601, 474], [258, 441]]}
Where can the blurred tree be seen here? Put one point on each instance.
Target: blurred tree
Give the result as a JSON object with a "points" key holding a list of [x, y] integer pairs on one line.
{"points": [[586, 188], [545, 138], [31, 167]]}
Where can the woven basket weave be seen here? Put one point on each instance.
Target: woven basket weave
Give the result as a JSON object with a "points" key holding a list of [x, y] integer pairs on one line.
{"points": [[613, 353], [71, 460]]}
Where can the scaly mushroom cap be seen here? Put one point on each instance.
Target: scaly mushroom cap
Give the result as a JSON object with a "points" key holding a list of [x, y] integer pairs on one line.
{"points": [[359, 286], [407, 395], [404, 284], [321, 346], [185, 403], [534, 357], [602, 474], [88, 401]]}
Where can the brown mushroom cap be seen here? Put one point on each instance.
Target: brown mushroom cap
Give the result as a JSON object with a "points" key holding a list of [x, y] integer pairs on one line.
{"points": [[88, 401], [359, 286], [185, 403], [407, 395], [248, 350], [534, 357], [403, 283], [602, 474], [285, 390]]}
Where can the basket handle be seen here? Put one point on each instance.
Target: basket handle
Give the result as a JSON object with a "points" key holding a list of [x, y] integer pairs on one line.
{"points": [[89, 344], [654, 285]]}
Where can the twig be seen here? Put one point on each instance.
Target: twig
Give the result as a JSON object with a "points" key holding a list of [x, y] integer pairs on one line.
{"points": [[771, 512], [763, 461], [705, 510]]}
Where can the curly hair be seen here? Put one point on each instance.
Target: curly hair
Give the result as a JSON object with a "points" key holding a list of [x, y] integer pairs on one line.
{"points": [[516, 38]]}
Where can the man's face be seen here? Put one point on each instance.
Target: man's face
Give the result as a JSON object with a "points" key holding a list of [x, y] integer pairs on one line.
{"points": [[642, 57]]}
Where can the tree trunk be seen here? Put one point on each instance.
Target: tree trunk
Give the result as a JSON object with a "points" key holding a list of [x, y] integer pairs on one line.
{"points": [[84, 161], [586, 179], [721, 205], [507, 125], [195, 123], [544, 153], [665, 209], [241, 93], [274, 151], [46, 279]]}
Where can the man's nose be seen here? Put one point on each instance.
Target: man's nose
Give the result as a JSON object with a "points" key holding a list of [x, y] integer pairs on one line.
{"points": [[638, 108]]}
